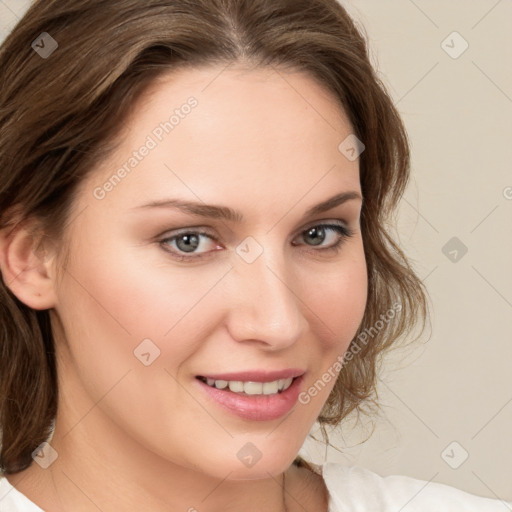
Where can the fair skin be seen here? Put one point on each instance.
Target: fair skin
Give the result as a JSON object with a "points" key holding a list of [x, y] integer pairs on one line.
{"points": [[131, 437]]}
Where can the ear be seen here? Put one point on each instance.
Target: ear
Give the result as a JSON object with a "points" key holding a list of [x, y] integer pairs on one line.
{"points": [[25, 263]]}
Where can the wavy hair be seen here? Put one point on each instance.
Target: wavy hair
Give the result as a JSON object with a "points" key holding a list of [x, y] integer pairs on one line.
{"points": [[59, 117]]}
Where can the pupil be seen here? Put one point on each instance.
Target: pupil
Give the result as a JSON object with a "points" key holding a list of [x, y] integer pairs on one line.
{"points": [[191, 242], [314, 233]]}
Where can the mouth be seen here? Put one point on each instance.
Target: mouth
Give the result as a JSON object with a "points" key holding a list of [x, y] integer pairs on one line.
{"points": [[253, 396], [249, 387]]}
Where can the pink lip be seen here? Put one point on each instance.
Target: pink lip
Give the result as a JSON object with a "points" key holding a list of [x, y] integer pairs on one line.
{"points": [[257, 375], [255, 407]]}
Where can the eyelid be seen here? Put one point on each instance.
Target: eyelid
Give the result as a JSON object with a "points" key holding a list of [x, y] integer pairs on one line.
{"points": [[314, 223], [210, 232], [344, 233]]}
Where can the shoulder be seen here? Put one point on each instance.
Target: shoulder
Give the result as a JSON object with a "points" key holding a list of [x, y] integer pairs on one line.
{"points": [[12, 500], [356, 489]]}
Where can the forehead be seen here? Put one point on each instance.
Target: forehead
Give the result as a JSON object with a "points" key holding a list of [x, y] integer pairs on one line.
{"points": [[269, 97], [248, 130]]}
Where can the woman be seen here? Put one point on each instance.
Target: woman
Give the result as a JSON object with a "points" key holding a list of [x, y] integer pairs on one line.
{"points": [[194, 200]]}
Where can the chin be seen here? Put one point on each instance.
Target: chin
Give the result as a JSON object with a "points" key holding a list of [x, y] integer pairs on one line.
{"points": [[261, 470], [248, 462]]}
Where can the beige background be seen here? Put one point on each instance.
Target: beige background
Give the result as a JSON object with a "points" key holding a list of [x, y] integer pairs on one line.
{"points": [[458, 111]]}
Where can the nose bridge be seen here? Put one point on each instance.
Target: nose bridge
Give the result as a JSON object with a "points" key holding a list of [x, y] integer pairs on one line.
{"points": [[268, 310]]}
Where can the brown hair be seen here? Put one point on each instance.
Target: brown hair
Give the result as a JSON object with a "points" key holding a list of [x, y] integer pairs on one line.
{"points": [[59, 117]]}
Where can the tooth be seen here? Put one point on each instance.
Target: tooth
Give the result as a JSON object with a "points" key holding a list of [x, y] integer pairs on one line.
{"points": [[236, 386], [287, 383], [253, 388], [221, 384], [270, 388]]}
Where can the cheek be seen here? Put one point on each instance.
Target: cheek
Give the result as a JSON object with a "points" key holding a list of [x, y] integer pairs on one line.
{"points": [[339, 301], [123, 302]]}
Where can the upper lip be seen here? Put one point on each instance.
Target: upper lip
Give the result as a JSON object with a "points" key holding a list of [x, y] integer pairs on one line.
{"points": [[256, 375]]}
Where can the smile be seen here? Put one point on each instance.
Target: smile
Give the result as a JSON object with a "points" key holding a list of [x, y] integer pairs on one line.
{"points": [[248, 387], [253, 395]]}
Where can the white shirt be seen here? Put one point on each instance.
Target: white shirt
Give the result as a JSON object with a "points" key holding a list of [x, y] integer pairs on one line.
{"points": [[351, 489]]}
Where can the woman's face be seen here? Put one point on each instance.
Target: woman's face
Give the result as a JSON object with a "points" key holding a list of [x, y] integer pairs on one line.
{"points": [[181, 326]]}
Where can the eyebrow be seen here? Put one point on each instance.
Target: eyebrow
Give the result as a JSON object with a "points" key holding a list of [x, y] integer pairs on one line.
{"points": [[231, 215]]}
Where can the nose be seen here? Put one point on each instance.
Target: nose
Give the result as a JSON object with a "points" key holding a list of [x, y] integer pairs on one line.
{"points": [[264, 308]]}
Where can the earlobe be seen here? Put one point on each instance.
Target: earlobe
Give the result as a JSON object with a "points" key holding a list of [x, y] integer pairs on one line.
{"points": [[25, 266]]}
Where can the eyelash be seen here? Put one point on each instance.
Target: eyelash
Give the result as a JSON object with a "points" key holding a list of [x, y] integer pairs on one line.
{"points": [[344, 232]]}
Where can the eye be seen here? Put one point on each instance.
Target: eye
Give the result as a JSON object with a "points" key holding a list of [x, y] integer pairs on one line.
{"points": [[318, 234], [183, 246], [187, 241]]}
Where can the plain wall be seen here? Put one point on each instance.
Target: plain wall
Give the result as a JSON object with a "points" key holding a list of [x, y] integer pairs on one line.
{"points": [[457, 386]]}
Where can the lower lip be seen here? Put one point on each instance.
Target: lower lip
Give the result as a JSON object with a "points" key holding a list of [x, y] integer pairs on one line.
{"points": [[256, 407]]}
